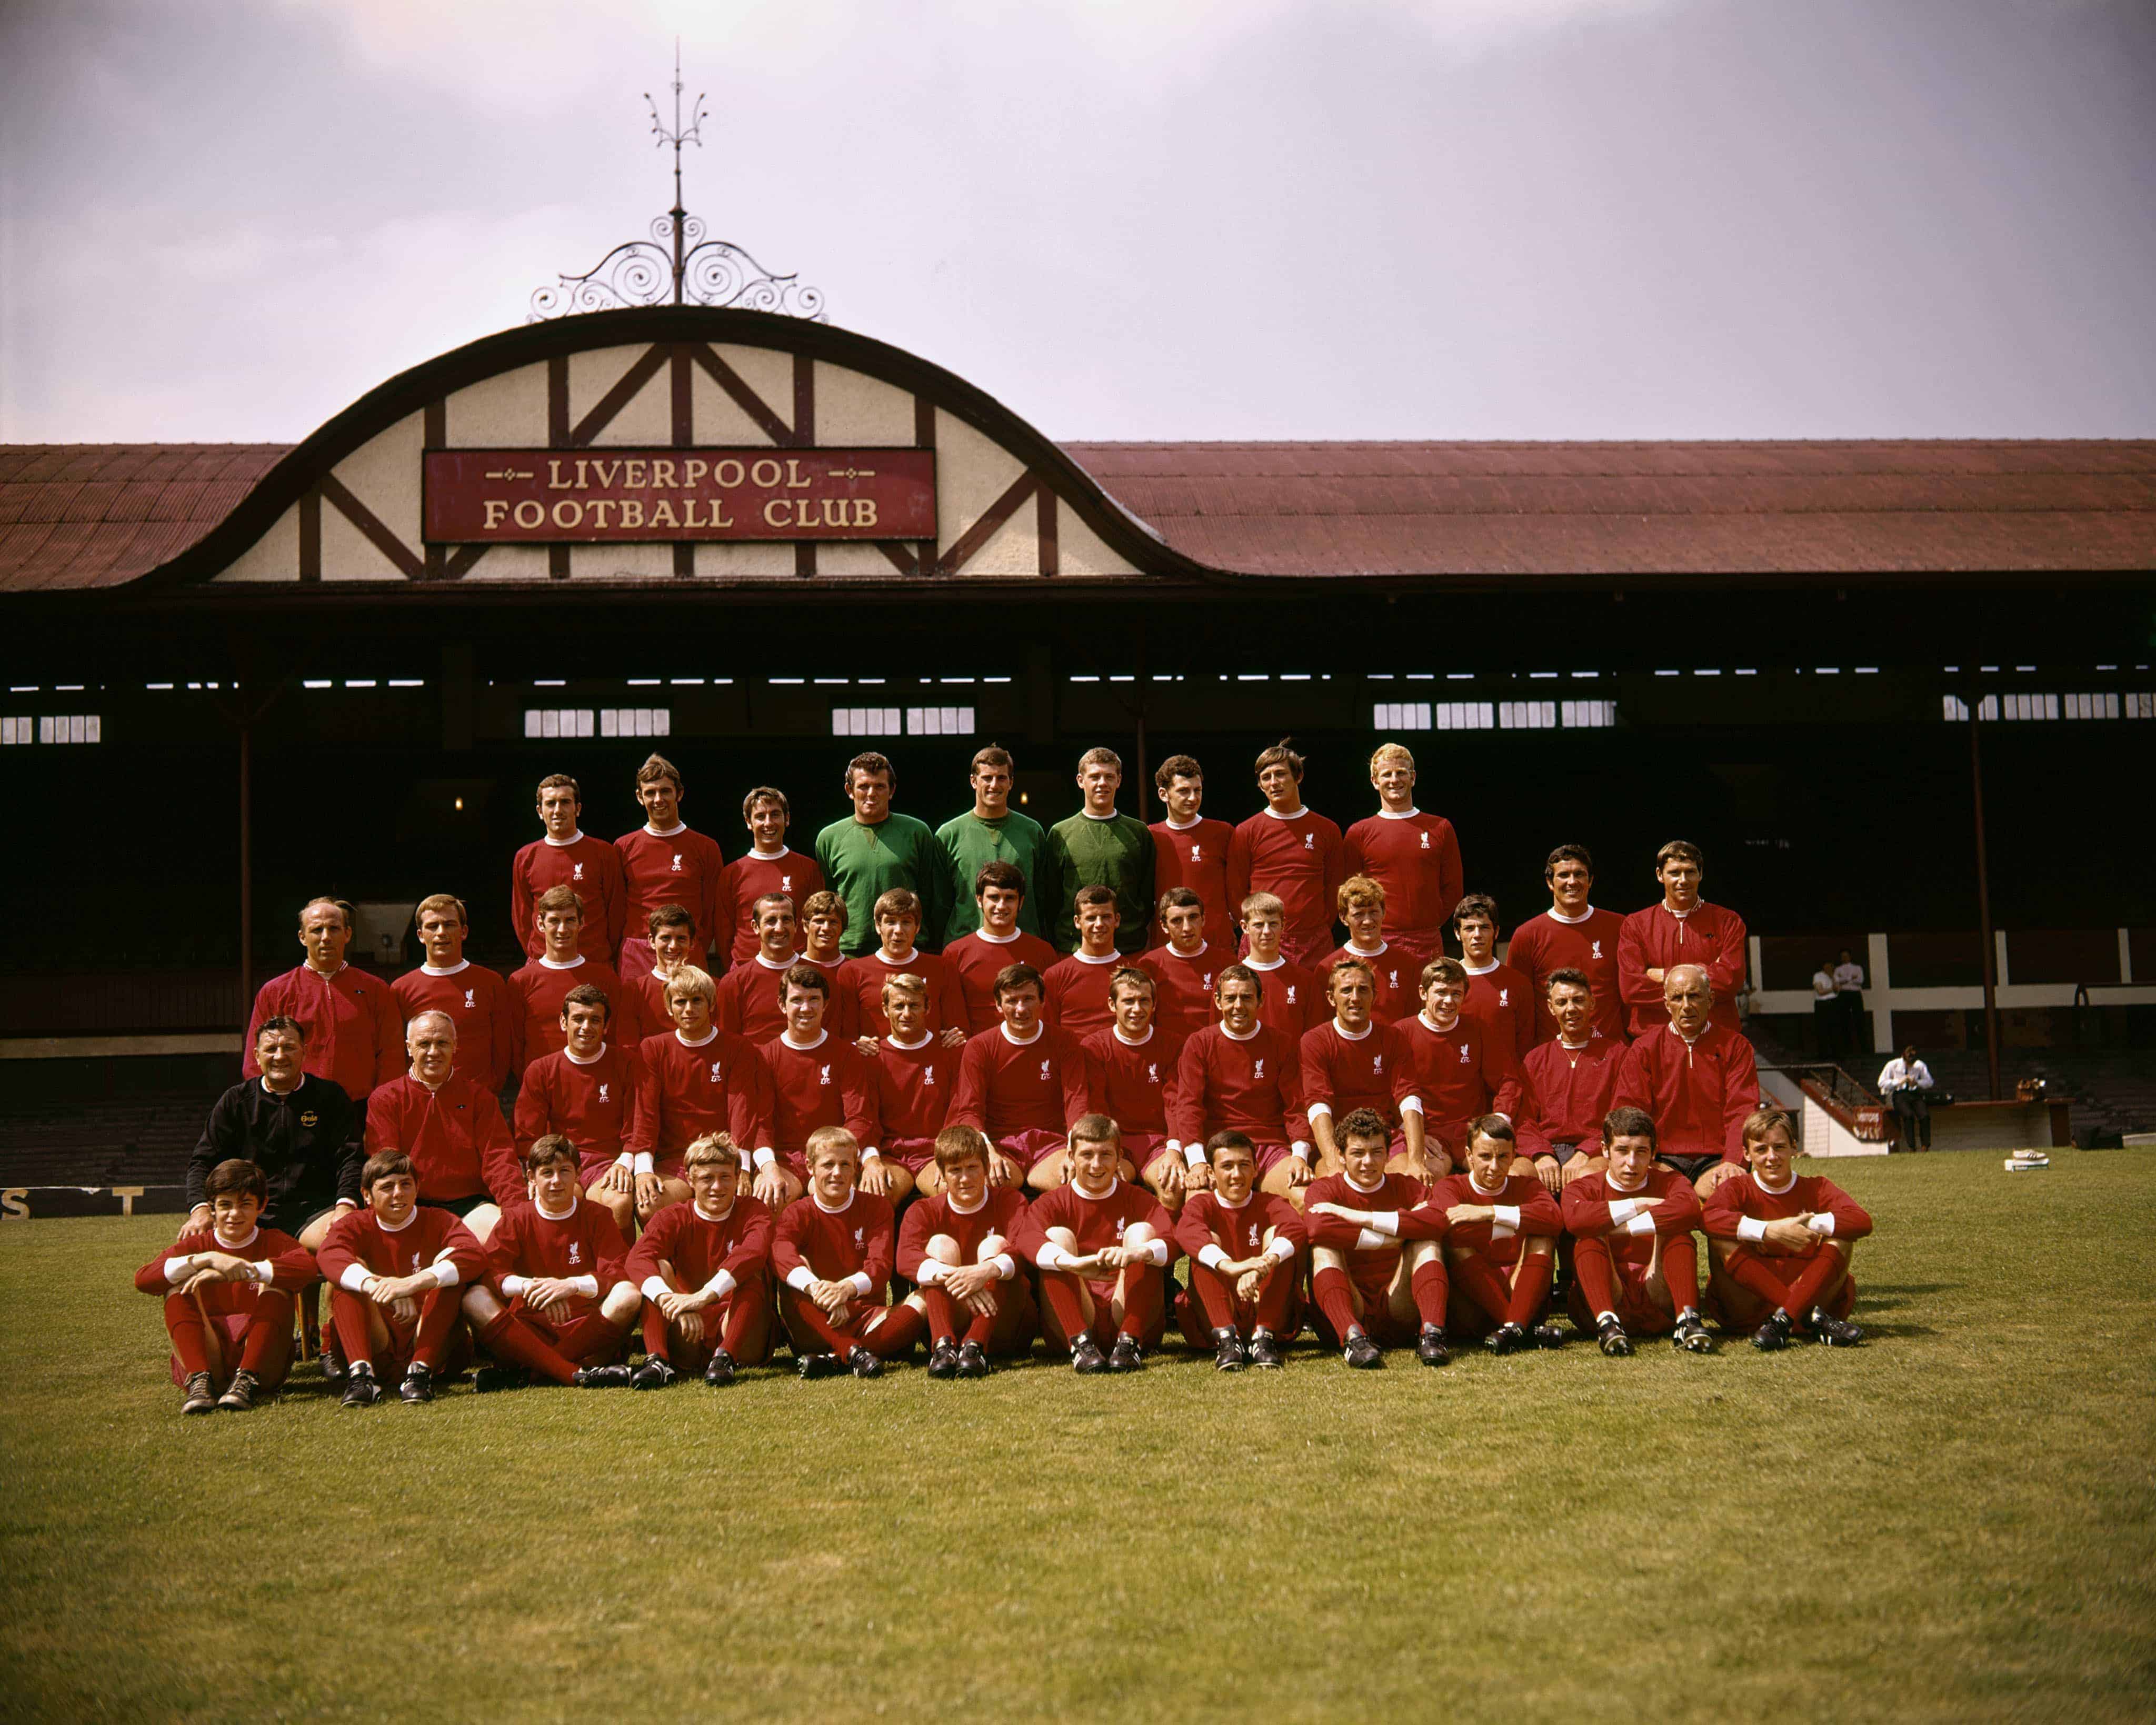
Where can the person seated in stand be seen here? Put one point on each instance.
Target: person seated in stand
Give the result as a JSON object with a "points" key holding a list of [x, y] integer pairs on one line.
{"points": [[301, 1131], [1022, 1084], [665, 862], [1699, 1079], [1183, 971], [460, 1147], [588, 1092], [978, 957], [567, 859], [1078, 986], [228, 1288], [817, 1081], [955, 1246], [670, 936], [1635, 1270], [1682, 929], [1571, 936], [1101, 1245], [916, 1075], [479, 1001], [1131, 1077], [832, 1255], [1499, 1233], [1246, 1250], [1392, 967], [1498, 995], [748, 998], [394, 1270], [540, 986], [1779, 1243], [1288, 851], [1188, 849], [1243, 1074], [704, 1269], [1446, 1074], [698, 1079], [766, 869], [558, 1264], [1571, 1083], [1293, 998], [898, 921], [1348, 1064], [1373, 1290]]}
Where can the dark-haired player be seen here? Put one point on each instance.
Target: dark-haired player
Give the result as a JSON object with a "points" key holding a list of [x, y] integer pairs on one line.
{"points": [[1498, 996], [1348, 1064], [1077, 987], [704, 1269], [1780, 1243], [1242, 1074], [898, 923], [1290, 851], [991, 834], [1571, 936], [1022, 1084], [1499, 1233], [1131, 1076], [1635, 1270], [1682, 929], [588, 1092], [1446, 1074], [665, 862], [1572, 1083], [563, 963], [955, 1247], [875, 850], [996, 939], [832, 1254], [748, 998], [670, 933], [1372, 1289], [1244, 1248], [1101, 1245], [765, 868], [567, 857], [817, 1081], [1183, 971], [301, 1131], [1188, 849]]}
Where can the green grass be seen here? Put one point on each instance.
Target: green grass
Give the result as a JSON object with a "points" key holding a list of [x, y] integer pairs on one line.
{"points": [[1952, 1523]]}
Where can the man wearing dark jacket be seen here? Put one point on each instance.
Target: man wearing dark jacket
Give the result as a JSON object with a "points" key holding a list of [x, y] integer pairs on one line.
{"points": [[300, 1130]]}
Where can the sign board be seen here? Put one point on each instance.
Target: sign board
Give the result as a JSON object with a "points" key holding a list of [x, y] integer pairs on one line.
{"points": [[595, 496]]}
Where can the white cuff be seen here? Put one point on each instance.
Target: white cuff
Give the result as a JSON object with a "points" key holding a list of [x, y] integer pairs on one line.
{"points": [[587, 1286], [627, 1159], [859, 1282], [1642, 1224], [1410, 1105], [932, 1272], [1369, 1240], [1299, 1151], [721, 1285], [1751, 1228], [655, 1286], [765, 1157], [515, 1285], [1051, 1256], [1623, 1210], [869, 1150], [355, 1278], [175, 1269], [446, 1274], [1386, 1222], [646, 1163], [1194, 1154], [1155, 1252], [1317, 1111], [1282, 1248], [800, 1277], [1822, 1224], [1211, 1256], [1006, 1266], [1498, 1231], [1508, 1217]]}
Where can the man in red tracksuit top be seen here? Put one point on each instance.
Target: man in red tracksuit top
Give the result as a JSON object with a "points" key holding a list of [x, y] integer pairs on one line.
{"points": [[1395, 970], [1022, 1084], [1246, 1248], [1571, 1084], [394, 1270], [1291, 851], [558, 1263], [1183, 971], [1132, 1077], [542, 985], [1571, 936], [1499, 997], [354, 1032], [479, 1001], [460, 1147], [1683, 929], [1446, 1074], [1699, 1079], [228, 1288], [1242, 1074], [978, 958], [816, 1081], [587, 1092], [1635, 1270], [1780, 1245], [663, 862], [565, 857], [1499, 1232], [696, 1078], [1415, 857], [704, 1269], [1188, 849], [956, 1246], [1101, 1245], [1370, 1286], [1348, 1064], [768, 867], [832, 1255], [917, 1075]]}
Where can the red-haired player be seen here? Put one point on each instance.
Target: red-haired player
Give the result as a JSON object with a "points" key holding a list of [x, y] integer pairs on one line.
{"points": [[978, 958], [1246, 1248], [916, 1077], [561, 965], [1131, 1076], [1243, 1074], [817, 1081], [565, 857], [696, 1079], [664, 861], [1392, 966], [1183, 971], [955, 1246], [1293, 998], [1414, 855], [479, 1001], [1077, 986], [1699, 1079], [832, 1254], [1348, 1063], [1372, 1289], [704, 1269], [1291, 851], [1446, 1074], [228, 1288], [1101, 1245], [1571, 936], [1682, 929], [588, 1092], [1779, 1244], [1499, 1234], [1022, 1084], [1189, 849], [1498, 996], [460, 1147], [1635, 1270], [349, 1021], [1571, 1084]]}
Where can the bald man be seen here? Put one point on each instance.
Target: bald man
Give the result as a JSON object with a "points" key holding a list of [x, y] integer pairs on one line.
{"points": [[1697, 1079], [451, 1128]]}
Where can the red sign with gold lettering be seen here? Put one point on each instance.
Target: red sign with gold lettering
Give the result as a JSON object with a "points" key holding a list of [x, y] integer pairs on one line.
{"points": [[585, 496]]}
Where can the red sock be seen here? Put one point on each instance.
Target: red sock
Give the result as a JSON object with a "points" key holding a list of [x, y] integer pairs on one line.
{"points": [[1330, 1289], [1142, 1298], [1061, 1291], [1531, 1292], [593, 1339], [1214, 1295], [1432, 1288], [267, 1350], [943, 1316], [1680, 1270], [658, 1334], [811, 1318], [893, 1331], [183, 1323], [510, 1338], [1822, 1269], [1598, 1279], [1478, 1279], [1273, 1301], [348, 1311], [749, 1302], [440, 1314], [983, 1330]]}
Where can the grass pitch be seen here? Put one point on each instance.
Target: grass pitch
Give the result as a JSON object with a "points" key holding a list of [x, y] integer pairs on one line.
{"points": [[1951, 1522]]}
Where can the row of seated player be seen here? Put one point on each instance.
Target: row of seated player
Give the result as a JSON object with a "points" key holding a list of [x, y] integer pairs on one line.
{"points": [[1378, 1260]]}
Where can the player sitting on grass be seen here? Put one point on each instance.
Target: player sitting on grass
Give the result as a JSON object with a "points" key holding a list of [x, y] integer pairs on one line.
{"points": [[832, 1254], [394, 1270], [1499, 1232], [956, 1245], [1243, 1245], [1022, 1083], [704, 1271], [1131, 1077], [1101, 1245], [1635, 1270], [1779, 1242], [557, 1261], [1370, 1286], [228, 1288]]}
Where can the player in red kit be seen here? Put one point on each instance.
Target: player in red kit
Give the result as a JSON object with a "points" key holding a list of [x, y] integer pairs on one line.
{"points": [[832, 1255], [916, 1077], [671, 932], [394, 1270], [1572, 1084], [1779, 1244], [1183, 971], [460, 1147], [976, 958], [955, 1247], [1348, 1064], [1635, 1270], [696, 1079], [664, 862], [816, 1081], [353, 1032], [750, 1000], [1372, 1289], [1292, 852], [565, 857], [1131, 1076], [768, 867], [1022, 1084], [1699, 1079], [1101, 1245], [1497, 994], [1571, 936], [1078, 985], [898, 923], [540, 986], [1246, 1248], [558, 1263], [1243, 1074], [587, 1092], [704, 1269], [1499, 1232], [1393, 968], [1189, 849], [1445, 1074], [1293, 998], [228, 1288], [1683, 929], [479, 1001], [1415, 857]]}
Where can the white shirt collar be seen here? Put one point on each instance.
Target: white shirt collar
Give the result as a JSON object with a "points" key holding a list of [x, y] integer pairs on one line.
{"points": [[703, 1041], [1692, 1042], [562, 844], [1187, 958], [958, 1209], [822, 1037], [325, 975], [1276, 815], [551, 1216], [560, 963], [674, 831], [1249, 1199], [1679, 914], [1250, 1036], [1084, 957], [395, 1227], [1258, 964], [1097, 1197], [994, 940], [1610, 1179], [912, 955], [926, 1037], [1558, 916], [1127, 1042], [577, 1059], [786, 965], [1484, 971], [1176, 825], [1574, 1047], [1427, 1022], [269, 1090], [817, 1199], [1774, 1191], [769, 856], [1039, 1032], [461, 965], [1378, 951], [1355, 1185], [1408, 813], [235, 1245], [1481, 1190], [1112, 814], [1353, 1036], [706, 1213]]}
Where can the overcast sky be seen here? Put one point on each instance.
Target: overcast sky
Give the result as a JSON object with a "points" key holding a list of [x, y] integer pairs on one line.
{"points": [[1127, 218]]}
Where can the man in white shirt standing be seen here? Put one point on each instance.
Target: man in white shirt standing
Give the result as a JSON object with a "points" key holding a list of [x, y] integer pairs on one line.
{"points": [[1905, 1081], [1849, 991], [1826, 1012]]}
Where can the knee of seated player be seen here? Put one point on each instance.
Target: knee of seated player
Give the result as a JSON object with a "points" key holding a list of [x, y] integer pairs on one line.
{"points": [[1579, 1167], [483, 1221], [1416, 1253], [1046, 1175], [1397, 1163], [620, 1205], [929, 1181], [1537, 1245], [672, 1191], [623, 1301], [1327, 1257], [1063, 1238], [993, 1245], [480, 1305], [790, 1186], [901, 1182], [317, 1230], [1139, 1234], [943, 1249]]}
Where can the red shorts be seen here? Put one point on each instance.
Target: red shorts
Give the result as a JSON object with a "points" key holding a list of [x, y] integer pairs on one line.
{"points": [[575, 1330], [1641, 1314], [911, 1153], [1269, 1157], [1142, 1150], [1031, 1146]]}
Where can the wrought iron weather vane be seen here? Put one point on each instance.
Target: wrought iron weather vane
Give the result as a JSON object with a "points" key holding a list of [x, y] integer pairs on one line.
{"points": [[677, 263]]}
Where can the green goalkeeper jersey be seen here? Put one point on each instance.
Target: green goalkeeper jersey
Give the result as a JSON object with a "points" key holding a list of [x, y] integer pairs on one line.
{"points": [[1087, 852], [861, 863], [968, 841]]}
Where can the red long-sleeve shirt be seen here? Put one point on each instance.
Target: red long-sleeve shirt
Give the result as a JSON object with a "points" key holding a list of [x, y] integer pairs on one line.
{"points": [[1000, 1214], [591, 866], [481, 1004], [593, 1103], [527, 1242], [1592, 1205], [290, 1267], [1736, 1201], [1415, 858], [1182, 987], [1548, 943], [723, 1084], [915, 1086], [1499, 1241], [541, 987], [1568, 1093], [355, 1035], [357, 1238], [1396, 1192], [1699, 1093], [855, 1241], [1451, 1076], [1195, 857], [459, 1146], [1657, 938], [749, 1000], [1208, 1225], [1501, 999], [1006, 1088], [1133, 1083], [1094, 1223], [1252, 1083], [1078, 993], [1398, 974], [1340, 1073], [830, 1084], [977, 960], [1291, 999], [749, 878], [863, 979], [1297, 858], [679, 868], [643, 1010], [699, 1246]]}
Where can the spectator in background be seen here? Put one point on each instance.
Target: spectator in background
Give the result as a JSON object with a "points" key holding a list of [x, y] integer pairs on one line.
{"points": [[1849, 992], [1905, 1082], [1827, 1021]]}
